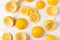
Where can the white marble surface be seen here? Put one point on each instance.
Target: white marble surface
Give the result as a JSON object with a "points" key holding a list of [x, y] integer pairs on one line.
{"points": [[16, 15]]}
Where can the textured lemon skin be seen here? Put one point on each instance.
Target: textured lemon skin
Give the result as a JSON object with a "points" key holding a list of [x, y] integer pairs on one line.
{"points": [[21, 23], [40, 5], [50, 37], [50, 25], [6, 36], [52, 2], [37, 31]]}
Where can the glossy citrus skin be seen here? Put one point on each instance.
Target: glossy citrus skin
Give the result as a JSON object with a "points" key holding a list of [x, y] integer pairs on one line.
{"points": [[52, 2], [29, 0], [50, 25], [8, 21], [11, 7], [40, 4], [21, 23], [50, 37], [37, 31], [6, 36], [21, 36], [52, 10]]}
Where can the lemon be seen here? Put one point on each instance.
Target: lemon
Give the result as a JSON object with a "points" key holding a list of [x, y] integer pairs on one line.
{"points": [[8, 21], [6, 36], [24, 9], [31, 10], [21, 36], [34, 17], [50, 25], [11, 7], [40, 4], [52, 2], [37, 31], [50, 37], [29, 0], [52, 10], [21, 23]]}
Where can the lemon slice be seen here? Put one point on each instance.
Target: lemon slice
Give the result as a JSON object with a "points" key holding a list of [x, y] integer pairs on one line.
{"points": [[37, 31], [24, 9], [8, 21], [29, 0], [52, 10], [21, 23], [50, 37], [40, 4], [11, 6], [30, 11], [50, 25], [6, 36], [21, 36], [52, 2], [16, 1], [34, 17]]}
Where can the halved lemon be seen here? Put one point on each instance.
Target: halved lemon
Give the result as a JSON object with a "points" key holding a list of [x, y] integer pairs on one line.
{"points": [[8, 21], [40, 4], [11, 7], [16, 1], [34, 17], [50, 25], [37, 31], [21, 36], [21, 23], [52, 2], [52, 10], [6, 36], [50, 37], [29, 0], [24, 9], [30, 11]]}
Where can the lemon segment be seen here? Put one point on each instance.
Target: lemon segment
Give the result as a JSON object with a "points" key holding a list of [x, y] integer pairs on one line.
{"points": [[8, 21], [52, 2], [24, 9], [29, 0], [21, 23], [37, 31], [52, 10], [34, 17], [50, 25], [50, 37], [21, 36], [11, 7], [40, 4], [6, 36]]}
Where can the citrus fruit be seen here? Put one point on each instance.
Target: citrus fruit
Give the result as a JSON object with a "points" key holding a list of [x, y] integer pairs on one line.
{"points": [[24, 9], [52, 10], [52, 2], [21, 23], [11, 7], [50, 25], [29, 0], [6, 36], [34, 17], [8, 21], [40, 4], [50, 37], [37, 31]]}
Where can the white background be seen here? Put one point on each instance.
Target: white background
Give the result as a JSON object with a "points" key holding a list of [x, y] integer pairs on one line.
{"points": [[16, 15]]}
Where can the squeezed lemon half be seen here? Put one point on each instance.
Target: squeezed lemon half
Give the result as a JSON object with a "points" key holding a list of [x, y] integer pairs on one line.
{"points": [[11, 7], [40, 4], [21, 36], [8, 21], [6, 36], [50, 37], [37, 31], [52, 10], [21, 23], [50, 25]]}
